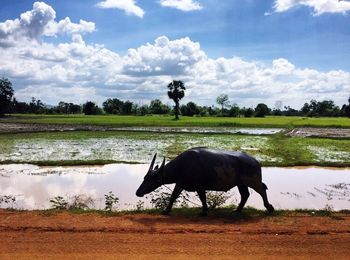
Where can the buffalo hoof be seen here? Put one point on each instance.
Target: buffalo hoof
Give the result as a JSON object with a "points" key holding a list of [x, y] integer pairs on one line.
{"points": [[270, 209]]}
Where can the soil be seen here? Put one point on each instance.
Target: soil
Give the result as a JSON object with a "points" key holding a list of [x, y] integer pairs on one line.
{"points": [[320, 132], [35, 234]]}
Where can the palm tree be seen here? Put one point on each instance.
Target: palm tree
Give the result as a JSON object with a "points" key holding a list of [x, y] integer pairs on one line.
{"points": [[223, 101], [176, 92]]}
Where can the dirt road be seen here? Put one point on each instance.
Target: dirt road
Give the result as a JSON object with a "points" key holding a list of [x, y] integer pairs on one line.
{"points": [[26, 235]]}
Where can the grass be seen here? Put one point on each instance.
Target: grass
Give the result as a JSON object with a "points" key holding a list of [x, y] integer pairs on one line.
{"points": [[154, 120], [98, 148], [222, 212]]}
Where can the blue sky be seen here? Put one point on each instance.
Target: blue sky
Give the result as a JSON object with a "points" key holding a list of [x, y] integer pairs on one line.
{"points": [[307, 37]]}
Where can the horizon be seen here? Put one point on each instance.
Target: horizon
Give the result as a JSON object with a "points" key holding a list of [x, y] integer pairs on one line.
{"points": [[254, 52]]}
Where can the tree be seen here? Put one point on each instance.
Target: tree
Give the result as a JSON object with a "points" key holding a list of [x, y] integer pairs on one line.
{"points": [[222, 100], [261, 110], [90, 108], [190, 109], [127, 107], [157, 107], [347, 109], [113, 106], [305, 110], [176, 93], [142, 110], [247, 112], [6, 93], [36, 106], [234, 110]]}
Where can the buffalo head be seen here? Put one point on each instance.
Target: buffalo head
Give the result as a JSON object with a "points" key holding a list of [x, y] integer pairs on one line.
{"points": [[152, 180]]}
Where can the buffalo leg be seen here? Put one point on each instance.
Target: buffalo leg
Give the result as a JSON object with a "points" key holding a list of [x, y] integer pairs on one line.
{"points": [[243, 190], [176, 192], [261, 189], [203, 198]]}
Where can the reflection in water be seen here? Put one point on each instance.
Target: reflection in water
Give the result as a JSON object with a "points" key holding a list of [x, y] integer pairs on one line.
{"points": [[289, 188]]}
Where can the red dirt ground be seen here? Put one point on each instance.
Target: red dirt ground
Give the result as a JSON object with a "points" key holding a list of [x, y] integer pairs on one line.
{"points": [[27, 235]]}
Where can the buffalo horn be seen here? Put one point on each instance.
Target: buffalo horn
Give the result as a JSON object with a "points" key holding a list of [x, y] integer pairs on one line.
{"points": [[152, 163], [163, 163]]}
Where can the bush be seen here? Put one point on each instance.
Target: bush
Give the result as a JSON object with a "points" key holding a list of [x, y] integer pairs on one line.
{"points": [[140, 205], [110, 201], [79, 201], [59, 202], [216, 199], [160, 199]]}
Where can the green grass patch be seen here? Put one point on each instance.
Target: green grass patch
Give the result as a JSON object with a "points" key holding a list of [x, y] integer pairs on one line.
{"points": [[154, 120]]}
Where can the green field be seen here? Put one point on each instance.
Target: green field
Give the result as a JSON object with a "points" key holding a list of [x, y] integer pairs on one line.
{"points": [[144, 121], [79, 148]]}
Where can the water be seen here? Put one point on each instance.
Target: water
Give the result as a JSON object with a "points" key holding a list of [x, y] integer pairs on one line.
{"points": [[289, 188], [204, 130]]}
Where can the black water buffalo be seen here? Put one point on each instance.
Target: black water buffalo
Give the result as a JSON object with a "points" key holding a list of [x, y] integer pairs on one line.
{"points": [[202, 169]]}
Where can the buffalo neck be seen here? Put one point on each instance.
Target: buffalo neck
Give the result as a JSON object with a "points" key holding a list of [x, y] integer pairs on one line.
{"points": [[169, 174]]}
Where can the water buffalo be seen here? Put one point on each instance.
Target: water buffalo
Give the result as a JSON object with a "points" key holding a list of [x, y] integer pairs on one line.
{"points": [[202, 169]]}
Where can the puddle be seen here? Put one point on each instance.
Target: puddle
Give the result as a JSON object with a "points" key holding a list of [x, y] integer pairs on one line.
{"points": [[289, 188]]}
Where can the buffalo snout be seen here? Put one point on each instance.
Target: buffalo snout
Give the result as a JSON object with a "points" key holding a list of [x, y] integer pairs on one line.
{"points": [[139, 193]]}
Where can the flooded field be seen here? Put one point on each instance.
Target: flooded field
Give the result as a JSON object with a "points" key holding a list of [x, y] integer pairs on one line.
{"points": [[120, 146], [26, 127], [289, 188], [77, 148]]}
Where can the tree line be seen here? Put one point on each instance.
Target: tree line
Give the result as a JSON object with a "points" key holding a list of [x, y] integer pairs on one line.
{"points": [[176, 91]]}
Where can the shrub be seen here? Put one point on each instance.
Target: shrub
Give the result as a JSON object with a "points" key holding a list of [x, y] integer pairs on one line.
{"points": [[80, 201], [216, 199], [140, 205], [58, 202], [110, 201]]}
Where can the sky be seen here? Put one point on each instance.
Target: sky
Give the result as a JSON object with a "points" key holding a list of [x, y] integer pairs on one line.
{"points": [[254, 51]]}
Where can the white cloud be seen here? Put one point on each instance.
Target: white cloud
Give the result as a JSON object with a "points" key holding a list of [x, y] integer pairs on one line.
{"points": [[129, 6], [77, 95], [319, 6], [38, 22], [75, 71], [183, 5], [164, 57], [65, 26]]}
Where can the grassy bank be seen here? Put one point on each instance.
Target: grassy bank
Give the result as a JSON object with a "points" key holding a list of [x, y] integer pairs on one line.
{"points": [[221, 212], [148, 121], [87, 148]]}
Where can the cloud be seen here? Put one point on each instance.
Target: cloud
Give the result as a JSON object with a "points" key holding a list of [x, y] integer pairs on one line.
{"points": [[38, 22], [75, 71], [319, 6], [164, 57], [65, 26], [77, 95], [129, 6], [183, 5]]}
